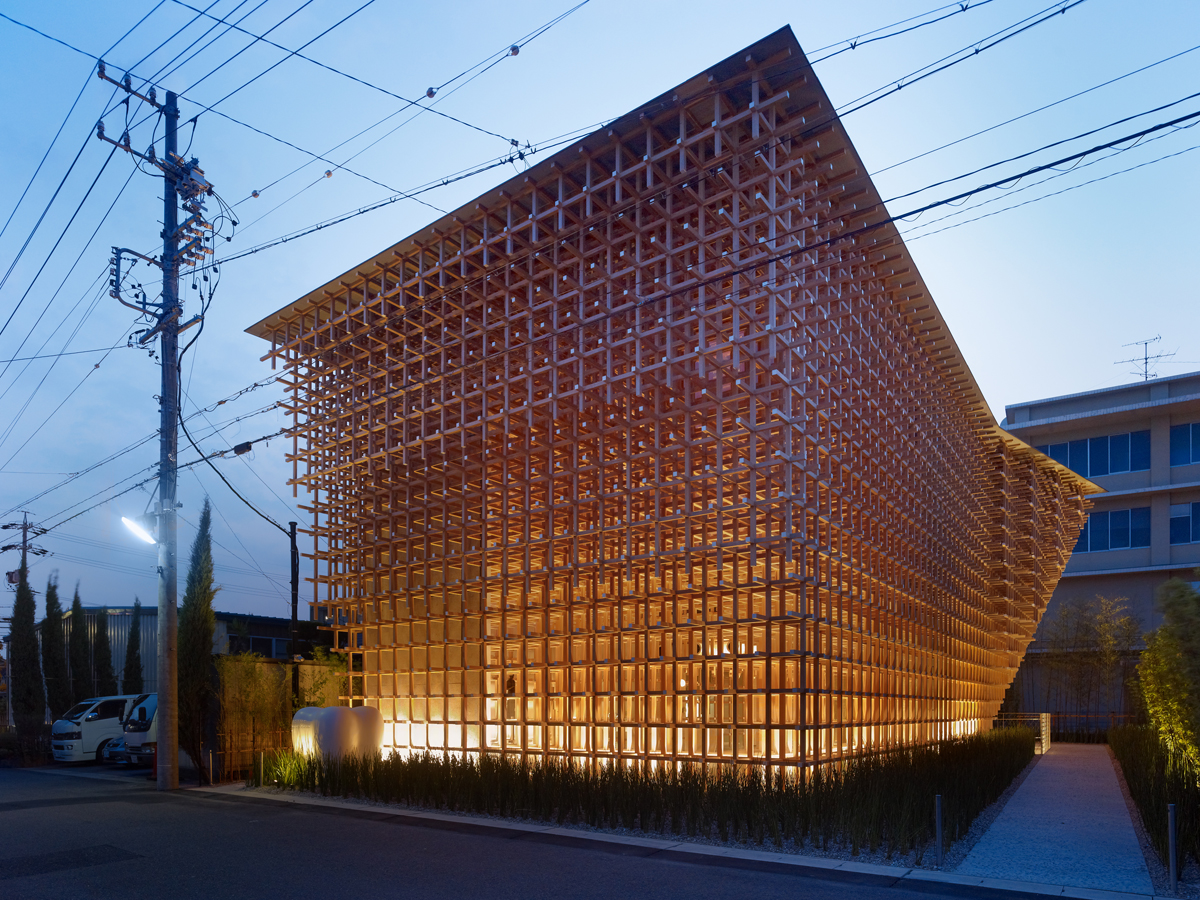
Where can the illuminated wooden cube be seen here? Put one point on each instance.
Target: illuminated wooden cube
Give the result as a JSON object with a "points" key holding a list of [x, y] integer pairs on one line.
{"points": [[662, 450]]}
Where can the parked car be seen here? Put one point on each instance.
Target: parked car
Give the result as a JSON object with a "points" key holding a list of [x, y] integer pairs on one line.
{"points": [[114, 751], [87, 727], [141, 731]]}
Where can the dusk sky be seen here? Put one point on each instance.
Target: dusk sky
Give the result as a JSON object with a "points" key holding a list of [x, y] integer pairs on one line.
{"points": [[1042, 282]]}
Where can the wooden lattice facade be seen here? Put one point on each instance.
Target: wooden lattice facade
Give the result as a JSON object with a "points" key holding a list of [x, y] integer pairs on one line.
{"points": [[662, 450]]}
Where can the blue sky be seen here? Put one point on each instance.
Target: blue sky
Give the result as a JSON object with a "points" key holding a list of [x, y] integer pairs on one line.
{"points": [[1040, 297]]}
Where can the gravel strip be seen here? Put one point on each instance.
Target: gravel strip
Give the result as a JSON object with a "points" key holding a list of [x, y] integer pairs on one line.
{"points": [[964, 845]]}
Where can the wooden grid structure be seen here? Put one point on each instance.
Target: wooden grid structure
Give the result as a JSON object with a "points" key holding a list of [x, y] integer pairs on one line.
{"points": [[662, 450]]}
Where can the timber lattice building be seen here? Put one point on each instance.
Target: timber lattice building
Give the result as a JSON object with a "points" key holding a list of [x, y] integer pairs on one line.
{"points": [[662, 450]]}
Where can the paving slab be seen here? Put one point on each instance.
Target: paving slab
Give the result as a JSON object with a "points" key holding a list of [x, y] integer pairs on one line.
{"points": [[1066, 825]]}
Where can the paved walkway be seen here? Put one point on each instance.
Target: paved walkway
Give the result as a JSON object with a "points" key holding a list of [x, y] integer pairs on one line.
{"points": [[1067, 824]]}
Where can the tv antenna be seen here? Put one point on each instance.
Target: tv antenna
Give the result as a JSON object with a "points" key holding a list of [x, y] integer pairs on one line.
{"points": [[1145, 360]]}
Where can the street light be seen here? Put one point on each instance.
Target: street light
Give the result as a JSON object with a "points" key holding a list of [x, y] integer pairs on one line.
{"points": [[137, 528]]}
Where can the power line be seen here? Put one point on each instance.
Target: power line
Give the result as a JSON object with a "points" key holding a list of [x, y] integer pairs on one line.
{"points": [[387, 201], [63, 353], [667, 294], [88, 374], [87, 244], [295, 12], [271, 68], [1044, 147], [253, 562], [953, 59], [41, 218], [1065, 190], [58, 133], [38, 224], [63, 234], [482, 67], [227, 117], [1063, 174], [581, 228], [1032, 112], [220, 475], [164, 43], [163, 73], [134, 487], [365, 83], [45, 156], [865, 38], [241, 456], [1021, 26], [146, 439]]}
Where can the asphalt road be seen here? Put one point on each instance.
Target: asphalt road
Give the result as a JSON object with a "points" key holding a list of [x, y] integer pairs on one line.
{"points": [[77, 836]]}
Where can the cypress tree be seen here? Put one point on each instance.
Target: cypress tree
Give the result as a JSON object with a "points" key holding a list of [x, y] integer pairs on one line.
{"points": [[197, 622], [79, 651], [54, 653], [106, 680], [28, 700], [131, 678]]}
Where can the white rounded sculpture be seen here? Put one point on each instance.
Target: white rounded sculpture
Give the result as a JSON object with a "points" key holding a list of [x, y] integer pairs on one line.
{"points": [[337, 731], [370, 730]]}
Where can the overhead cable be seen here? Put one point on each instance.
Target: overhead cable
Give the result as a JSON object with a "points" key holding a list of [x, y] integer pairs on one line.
{"points": [[1033, 112], [725, 274], [365, 83]]}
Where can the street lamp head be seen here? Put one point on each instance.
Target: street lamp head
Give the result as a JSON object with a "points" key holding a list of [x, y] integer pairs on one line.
{"points": [[139, 529]]}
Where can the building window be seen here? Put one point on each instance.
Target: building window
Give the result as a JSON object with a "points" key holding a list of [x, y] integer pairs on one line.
{"points": [[1118, 529], [1185, 523], [1109, 455], [1185, 444]]}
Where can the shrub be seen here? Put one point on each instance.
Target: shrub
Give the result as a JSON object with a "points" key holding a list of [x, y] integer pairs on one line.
{"points": [[1170, 670]]}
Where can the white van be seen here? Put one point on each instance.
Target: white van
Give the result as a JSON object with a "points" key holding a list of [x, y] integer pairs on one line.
{"points": [[141, 731], [87, 727]]}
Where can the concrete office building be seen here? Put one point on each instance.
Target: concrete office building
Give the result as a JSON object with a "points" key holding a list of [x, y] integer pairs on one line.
{"points": [[1141, 443]]}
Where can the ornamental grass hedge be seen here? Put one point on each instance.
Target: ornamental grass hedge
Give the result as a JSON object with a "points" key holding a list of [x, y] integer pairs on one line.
{"points": [[883, 802], [1158, 776]]}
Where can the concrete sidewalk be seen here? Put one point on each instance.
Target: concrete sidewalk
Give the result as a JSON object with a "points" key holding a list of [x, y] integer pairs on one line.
{"points": [[1067, 824]]}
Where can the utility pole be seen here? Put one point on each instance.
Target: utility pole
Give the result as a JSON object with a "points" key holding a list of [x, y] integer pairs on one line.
{"points": [[295, 602], [167, 756], [24, 547], [13, 578], [182, 180]]}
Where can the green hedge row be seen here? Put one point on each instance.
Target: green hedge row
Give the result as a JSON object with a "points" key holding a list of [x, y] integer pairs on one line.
{"points": [[876, 802]]}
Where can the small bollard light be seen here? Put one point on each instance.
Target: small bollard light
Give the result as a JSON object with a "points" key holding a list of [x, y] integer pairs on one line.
{"points": [[1171, 847], [937, 815]]}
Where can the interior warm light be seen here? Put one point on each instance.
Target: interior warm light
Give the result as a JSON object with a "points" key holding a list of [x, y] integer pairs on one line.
{"points": [[138, 530]]}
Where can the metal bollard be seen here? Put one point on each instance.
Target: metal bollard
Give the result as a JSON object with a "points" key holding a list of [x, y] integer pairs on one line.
{"points": [[1171, 847], [937, 815]]}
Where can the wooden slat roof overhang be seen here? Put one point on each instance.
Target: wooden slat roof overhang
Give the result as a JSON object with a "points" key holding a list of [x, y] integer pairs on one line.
{"points": [[780, 61]]}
